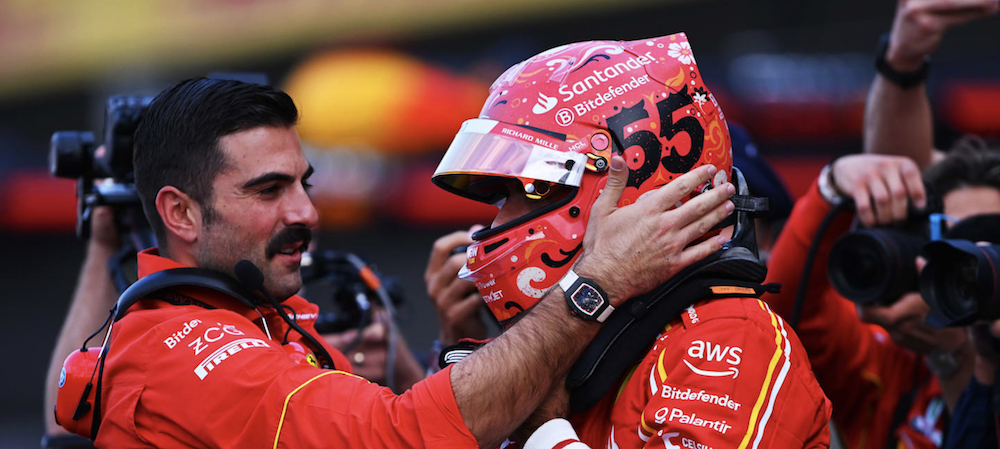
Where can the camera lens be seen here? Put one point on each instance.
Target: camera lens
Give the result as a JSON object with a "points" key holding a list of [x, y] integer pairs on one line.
{"points": [[874, 266], [960, 282], [70, 153]]}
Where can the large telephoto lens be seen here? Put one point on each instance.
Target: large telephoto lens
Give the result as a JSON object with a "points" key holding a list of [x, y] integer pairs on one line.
{"points": [[875, 266], [69, 153], [960, 282]]}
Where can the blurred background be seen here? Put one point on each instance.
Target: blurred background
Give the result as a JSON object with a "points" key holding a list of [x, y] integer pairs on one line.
{"points": [[382, 86]]}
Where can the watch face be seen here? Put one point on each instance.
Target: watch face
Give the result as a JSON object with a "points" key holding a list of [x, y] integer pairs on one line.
{"points": [[588, 299]]}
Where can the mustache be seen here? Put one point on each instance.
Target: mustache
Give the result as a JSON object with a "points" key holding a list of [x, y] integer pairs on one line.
{"points": [[288, 236]]}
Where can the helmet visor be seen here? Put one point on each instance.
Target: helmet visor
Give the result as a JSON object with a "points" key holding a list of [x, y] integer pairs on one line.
{"points": [[485, 150]]}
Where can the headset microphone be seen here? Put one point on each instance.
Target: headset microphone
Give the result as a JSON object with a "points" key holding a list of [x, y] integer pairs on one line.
{"points": [[253, 278]]}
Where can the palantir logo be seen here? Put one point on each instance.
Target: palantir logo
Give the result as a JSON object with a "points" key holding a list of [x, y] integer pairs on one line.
{"points": [[545, 104]]}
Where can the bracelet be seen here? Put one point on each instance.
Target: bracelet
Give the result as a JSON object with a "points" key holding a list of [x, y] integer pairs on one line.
{"points": [[828, 186]]}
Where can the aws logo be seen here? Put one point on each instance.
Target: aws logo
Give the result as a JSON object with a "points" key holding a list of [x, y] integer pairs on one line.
{"points": [[710, 352], [544, 104]]}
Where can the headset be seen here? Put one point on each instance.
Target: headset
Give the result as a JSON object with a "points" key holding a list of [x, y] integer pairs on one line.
{"points": [[78, 404]]}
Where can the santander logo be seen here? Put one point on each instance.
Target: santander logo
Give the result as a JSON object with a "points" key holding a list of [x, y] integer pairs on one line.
{"points": [[544, 104]]}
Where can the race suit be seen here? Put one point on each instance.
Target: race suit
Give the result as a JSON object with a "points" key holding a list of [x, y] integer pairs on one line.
{"points": [[202, 373], [881, 391], [728, 373]]}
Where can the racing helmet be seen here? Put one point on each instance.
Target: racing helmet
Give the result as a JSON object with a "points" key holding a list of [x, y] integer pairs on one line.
{"points": [[552, 123]]}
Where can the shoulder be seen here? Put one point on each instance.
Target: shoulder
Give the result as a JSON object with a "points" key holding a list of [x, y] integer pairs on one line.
{"points": [[723, 370]]}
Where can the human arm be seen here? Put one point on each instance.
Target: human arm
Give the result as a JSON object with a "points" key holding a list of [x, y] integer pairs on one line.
{"points": [[499, 385], [897, 120], [93, 298]]}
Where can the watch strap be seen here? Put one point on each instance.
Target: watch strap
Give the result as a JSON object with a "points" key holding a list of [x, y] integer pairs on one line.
{"points": [[905, 80], [571, 284]]}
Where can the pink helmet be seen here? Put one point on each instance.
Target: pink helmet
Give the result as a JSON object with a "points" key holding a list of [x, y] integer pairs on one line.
{"points": [[555, 120]]}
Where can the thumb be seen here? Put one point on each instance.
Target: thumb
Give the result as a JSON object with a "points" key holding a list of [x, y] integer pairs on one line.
{"points": [[617, 176]]}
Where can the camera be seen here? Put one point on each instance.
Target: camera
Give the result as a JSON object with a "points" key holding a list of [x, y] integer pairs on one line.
{"points": [[76, 155], [876, 266], [960, 282], [352, 285]]}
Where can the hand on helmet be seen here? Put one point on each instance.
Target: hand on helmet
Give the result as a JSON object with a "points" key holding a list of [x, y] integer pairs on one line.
{"points": [[456, 301], [630, 250], [920, 25], [880, 185]]}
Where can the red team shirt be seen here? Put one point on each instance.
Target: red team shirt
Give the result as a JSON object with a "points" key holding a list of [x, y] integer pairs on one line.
{"points": [[729, 373], [187, 376], [858, 365]]}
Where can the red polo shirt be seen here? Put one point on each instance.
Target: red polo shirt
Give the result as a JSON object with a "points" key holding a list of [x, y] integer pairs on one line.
{"points": [[191, 376]]}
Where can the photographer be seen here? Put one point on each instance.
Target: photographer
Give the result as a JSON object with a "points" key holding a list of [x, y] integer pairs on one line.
{"points": [[223, 180], [888, 372]]}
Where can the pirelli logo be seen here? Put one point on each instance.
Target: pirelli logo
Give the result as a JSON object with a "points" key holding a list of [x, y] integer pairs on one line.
{"points": [[222, 354]]}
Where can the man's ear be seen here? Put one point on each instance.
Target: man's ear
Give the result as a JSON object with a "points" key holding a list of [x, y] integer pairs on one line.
{"points": [[180, 213]]}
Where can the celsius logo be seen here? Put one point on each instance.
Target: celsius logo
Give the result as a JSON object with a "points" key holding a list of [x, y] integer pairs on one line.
{"points": [[545, 104]]}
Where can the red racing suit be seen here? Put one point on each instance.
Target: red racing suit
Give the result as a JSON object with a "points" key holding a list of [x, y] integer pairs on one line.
{"points": [[191, 376], [880, 389], [728, 373]]}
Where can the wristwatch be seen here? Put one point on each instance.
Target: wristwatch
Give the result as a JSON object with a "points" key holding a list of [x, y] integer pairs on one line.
{"points": [[585, 298], [904, 80]]}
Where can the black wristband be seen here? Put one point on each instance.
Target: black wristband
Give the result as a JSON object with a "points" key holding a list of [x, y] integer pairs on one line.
{"points": [[905, 80]]}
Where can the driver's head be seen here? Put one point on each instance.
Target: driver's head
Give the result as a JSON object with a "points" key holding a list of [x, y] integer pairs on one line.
{"points": [[540, 150]]}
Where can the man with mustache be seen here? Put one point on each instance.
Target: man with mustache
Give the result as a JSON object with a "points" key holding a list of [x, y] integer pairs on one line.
{"points": [[222, 179]]}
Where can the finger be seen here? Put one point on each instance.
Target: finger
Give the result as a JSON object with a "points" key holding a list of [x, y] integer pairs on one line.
{"points": [[701, 206], [444, 276], [464, 311], [454, 292], [442, 249], [374, 333], [914, 183], [612, 193], [863, 206], [668, 196], [897, 195], [695, 253], [702, 225], [920, 263], [340, 340], [952, 18], [880, 199]]}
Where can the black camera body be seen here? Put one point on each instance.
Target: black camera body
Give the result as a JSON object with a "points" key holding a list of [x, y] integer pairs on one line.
{"points": [[76, 155], [353, 286], [876, 266]]}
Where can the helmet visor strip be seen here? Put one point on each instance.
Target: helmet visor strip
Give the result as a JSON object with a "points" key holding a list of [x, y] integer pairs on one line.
{"points": [[488, 148]]}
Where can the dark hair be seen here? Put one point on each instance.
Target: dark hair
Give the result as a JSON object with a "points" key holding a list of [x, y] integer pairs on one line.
{"points": [[971, 162], [177, 140]]}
